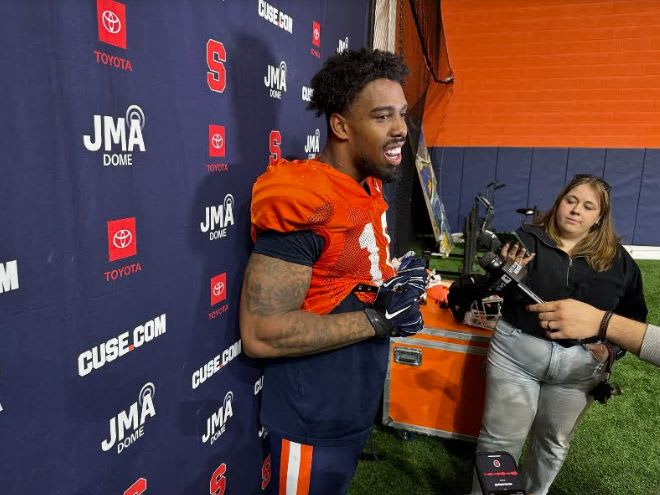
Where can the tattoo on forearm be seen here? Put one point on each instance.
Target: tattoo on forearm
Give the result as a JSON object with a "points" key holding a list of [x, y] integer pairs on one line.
{"points": [[275, 289], [307, 333]]}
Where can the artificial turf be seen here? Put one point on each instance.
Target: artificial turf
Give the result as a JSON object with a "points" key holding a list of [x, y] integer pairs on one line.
{"points": [[616, 450]]}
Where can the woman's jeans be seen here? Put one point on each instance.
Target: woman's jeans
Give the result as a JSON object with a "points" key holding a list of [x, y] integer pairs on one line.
{"points": [[538, 387]]}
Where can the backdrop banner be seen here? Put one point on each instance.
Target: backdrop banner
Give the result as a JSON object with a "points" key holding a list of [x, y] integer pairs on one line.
{"points": [[133, 133]]}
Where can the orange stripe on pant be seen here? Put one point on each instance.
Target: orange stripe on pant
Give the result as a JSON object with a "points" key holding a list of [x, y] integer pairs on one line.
{"points": [[295, 468]]}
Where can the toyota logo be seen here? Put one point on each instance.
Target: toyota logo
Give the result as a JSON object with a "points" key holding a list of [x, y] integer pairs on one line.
{"points": [[111, 22], [122, 238], [496, 463], [317, 34], [216, 141], [218, 289]]}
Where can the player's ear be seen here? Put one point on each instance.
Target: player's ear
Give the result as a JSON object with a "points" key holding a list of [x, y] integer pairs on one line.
{"points": [[339, 126]]}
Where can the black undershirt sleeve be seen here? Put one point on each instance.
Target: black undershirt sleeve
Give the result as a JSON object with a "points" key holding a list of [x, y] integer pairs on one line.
{"points": [[301, 247]]}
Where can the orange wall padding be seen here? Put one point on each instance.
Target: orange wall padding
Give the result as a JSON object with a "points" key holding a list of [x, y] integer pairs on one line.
{"points": [[569, 73]]}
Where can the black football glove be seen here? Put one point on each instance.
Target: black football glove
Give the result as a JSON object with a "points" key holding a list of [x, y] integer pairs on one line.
{"points": [[395, 311]]}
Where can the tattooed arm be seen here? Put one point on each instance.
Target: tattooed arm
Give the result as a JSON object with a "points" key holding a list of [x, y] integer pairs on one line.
{"points": [[272, 324]]}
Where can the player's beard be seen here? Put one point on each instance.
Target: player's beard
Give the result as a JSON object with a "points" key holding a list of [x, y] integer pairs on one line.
{"points": [[385, 172]]}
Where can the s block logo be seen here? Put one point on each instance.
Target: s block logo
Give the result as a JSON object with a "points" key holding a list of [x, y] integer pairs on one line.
{"points": [[274, 147], [8, 276], [266, 472], [111, 17], [122, 238], [216, 56], [137, 488], [216, 140], [218, 288], [218, 482]]}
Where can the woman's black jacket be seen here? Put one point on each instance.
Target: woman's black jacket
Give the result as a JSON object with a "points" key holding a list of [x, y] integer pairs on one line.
{"points": [[553, 274]]}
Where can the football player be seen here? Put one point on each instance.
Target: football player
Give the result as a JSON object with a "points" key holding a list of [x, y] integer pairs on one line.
{"points": [[321, 296]]}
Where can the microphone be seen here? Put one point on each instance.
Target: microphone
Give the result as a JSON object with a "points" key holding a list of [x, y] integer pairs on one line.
{"points": [[508, 276]]}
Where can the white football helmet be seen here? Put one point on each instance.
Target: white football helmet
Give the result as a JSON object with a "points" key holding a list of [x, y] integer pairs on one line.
{"points": [[484, 312]]}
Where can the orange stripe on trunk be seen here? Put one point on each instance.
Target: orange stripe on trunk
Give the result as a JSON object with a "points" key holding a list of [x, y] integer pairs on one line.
{"points": [[284, 465], [305, 473]]}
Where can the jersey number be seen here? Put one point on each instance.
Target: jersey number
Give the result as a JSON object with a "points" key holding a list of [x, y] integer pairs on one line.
{"points": [[368, 242]]}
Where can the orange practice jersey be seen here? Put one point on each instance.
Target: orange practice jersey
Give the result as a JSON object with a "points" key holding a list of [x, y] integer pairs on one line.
{"points": [[311, 195]]}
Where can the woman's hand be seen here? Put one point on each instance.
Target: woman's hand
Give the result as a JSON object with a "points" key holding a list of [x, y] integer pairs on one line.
{"points": [[516, 253]]}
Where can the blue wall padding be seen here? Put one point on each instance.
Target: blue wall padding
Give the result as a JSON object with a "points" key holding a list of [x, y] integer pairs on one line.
{"points": [[534, 176], [513, 169], [648, 212], [478, 170], [547, 177], [450, 185], [623, 171], [585, 161]]}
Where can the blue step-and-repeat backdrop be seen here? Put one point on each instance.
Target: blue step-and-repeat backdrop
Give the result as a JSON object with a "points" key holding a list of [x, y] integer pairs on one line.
{"points": [[132, 133]]}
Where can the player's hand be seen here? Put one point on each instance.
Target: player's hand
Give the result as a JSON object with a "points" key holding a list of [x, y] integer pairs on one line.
{"points": [[415, 270], [397, 300]]}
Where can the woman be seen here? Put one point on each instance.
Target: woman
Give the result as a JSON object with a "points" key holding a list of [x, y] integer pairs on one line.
{"points": [[541, 387]]}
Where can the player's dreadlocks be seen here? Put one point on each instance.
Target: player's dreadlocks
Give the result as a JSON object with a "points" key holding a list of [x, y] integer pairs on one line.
{"points": [[344, 75]]}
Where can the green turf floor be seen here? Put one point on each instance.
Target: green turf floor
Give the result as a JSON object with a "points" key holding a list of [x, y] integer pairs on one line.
{"points": [[616, 450]]}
